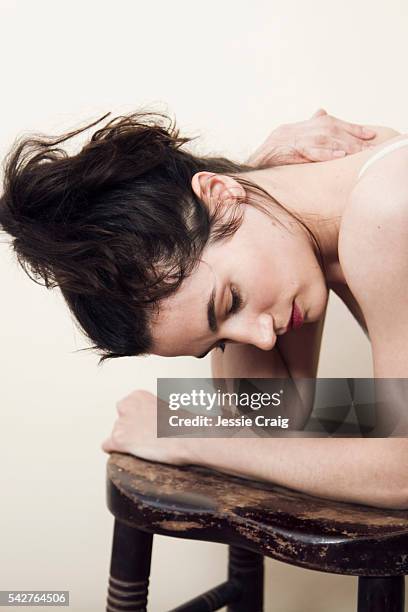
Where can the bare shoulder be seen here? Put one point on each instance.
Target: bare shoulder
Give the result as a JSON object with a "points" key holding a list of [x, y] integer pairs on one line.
{"points": [[375, 218], [377, 209], [373, 253], [388, 172]]}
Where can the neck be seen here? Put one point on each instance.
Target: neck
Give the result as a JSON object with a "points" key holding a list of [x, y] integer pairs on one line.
{"points": [[318, 193]]}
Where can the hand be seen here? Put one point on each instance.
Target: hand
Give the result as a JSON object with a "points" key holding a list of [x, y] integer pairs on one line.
{"points": [[135, 431], [320, 138]]}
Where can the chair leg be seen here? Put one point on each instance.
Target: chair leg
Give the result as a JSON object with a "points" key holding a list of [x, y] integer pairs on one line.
{"points": [[381, 594], [247, 569], [130, 569]]}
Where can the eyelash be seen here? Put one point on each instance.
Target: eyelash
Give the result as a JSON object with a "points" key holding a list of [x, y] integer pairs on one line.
{"points": [[235, 306]]}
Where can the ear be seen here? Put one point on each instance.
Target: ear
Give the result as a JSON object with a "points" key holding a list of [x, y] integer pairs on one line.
{"points": [[213, 188]]}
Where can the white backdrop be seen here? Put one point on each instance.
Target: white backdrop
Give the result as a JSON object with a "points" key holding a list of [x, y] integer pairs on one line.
{"points": [[231, 71]]}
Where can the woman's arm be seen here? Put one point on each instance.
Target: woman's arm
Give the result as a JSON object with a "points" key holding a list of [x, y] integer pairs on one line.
{"points": [[373, 252], [295, 356], [366, 471], [244, 361]]}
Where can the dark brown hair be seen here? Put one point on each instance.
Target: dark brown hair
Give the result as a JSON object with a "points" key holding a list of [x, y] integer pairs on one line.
{"points": [[116, 226]]}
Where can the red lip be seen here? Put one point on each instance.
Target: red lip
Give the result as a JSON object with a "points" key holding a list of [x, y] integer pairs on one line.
{"points": [[296, 319]]}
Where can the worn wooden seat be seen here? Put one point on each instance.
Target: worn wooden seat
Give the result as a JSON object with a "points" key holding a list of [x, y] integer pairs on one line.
{"points": [[254, 519]]}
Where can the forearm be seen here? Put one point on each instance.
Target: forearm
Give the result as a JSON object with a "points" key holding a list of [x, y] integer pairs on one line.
{"points": [[246, 361], [367, 471]]}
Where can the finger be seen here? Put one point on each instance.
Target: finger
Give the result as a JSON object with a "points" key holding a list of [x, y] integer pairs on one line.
{"points": [[358, 131], [357, 146], [349, 144], [323, 147], [319, 113], [317, 154]]}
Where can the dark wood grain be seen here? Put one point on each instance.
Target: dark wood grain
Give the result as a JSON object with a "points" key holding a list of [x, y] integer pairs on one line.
{"points": [[197, 503]]}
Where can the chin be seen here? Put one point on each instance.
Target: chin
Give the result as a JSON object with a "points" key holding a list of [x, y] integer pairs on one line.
{"points": [[316, 309], [323, 306]]}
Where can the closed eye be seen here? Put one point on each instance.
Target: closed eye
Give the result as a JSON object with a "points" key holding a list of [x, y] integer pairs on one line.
{"points": [[236, 301], [236, 304]]}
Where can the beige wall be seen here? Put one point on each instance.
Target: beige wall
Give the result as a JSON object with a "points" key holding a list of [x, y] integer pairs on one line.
{"points": [[231, 70]]}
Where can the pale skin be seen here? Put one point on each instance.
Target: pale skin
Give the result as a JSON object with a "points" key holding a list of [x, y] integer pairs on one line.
{"points": [[365, 248]]}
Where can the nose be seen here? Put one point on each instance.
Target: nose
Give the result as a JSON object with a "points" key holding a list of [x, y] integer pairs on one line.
{"points": [[264, 336], [258, 331]]}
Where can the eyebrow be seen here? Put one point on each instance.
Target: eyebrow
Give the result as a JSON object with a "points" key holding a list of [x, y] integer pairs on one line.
{"points": [[212, 320]]}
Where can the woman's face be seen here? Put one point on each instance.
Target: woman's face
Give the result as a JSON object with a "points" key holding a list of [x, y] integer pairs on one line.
{"points": [[243, 288]]}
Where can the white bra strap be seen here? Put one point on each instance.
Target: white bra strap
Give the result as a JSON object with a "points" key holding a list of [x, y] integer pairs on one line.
{"points": [[391, 147]]}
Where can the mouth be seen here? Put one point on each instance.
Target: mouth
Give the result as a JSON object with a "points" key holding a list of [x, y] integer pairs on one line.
{"points": [[296, 317], [295, 320]]}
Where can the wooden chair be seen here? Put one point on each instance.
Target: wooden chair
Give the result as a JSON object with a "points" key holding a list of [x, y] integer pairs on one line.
{"points": [[254, 519]]}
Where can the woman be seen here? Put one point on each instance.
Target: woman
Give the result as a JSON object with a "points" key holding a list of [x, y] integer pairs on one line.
{"points": [[157, 250]]}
